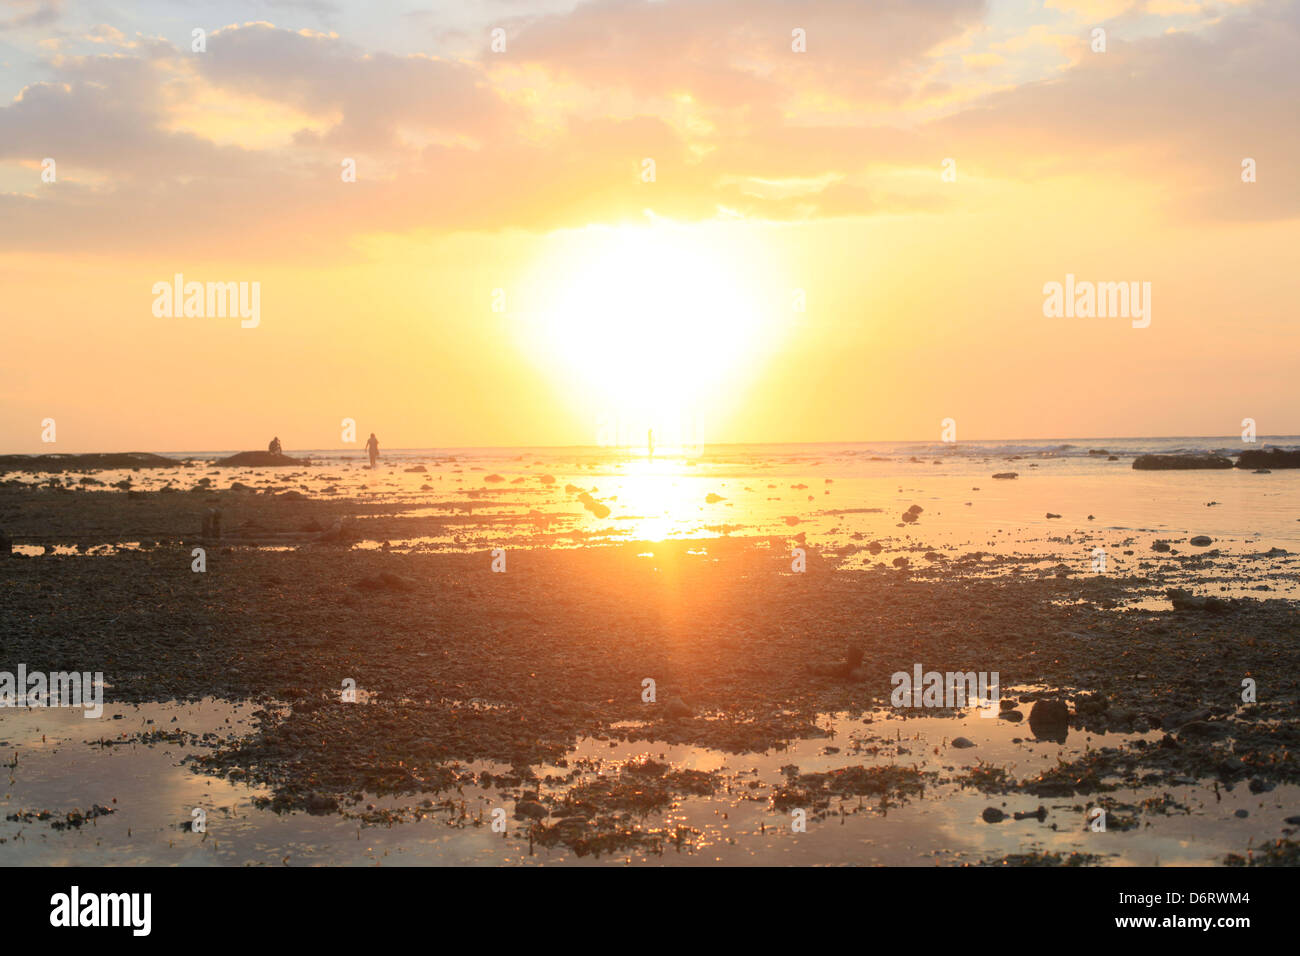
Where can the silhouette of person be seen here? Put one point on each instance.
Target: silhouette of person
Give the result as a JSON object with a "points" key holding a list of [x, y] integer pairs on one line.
{"points": [[372, 446], [274, 448]]}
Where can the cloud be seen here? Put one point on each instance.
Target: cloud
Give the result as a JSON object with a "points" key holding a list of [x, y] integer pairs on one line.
{"points": [[31, 13], [160, 149], [1179, 111]]}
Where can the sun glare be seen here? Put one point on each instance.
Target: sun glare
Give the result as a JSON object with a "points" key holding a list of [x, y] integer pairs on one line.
{"points": [[658, 326]]}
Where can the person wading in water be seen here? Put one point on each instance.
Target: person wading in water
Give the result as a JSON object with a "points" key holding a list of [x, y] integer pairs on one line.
{"points": [[372, 446]]}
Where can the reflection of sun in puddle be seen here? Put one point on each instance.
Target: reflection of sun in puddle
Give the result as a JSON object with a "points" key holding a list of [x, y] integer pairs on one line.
{"points": [[663, 505]]}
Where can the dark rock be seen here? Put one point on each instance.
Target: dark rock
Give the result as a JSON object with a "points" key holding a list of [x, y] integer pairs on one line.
{"points": [[676, 707], [993, 815], [385, 581], [318, 803], [91, 462], [260, 459], [1186, 601], [1273, 458], [1202, 541], [1050, 720], [1179, 462], [530, 810], [1040, 814]]}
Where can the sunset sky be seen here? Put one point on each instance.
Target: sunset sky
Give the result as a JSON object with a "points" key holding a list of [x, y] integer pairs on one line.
{"points": [[515, 179]]}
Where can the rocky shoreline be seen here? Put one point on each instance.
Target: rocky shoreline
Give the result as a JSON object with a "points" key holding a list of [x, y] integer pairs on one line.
{"points": [[456, 664]]}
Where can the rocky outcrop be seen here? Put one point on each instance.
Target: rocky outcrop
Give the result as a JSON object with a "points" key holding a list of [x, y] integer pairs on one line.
{"points": [[260, 459], [1273, 458], [95, 462], [1179, 462]]}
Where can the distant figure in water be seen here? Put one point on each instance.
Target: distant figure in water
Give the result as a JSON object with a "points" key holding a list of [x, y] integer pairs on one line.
{"points": [[372, 446], [274, 448], [650, 442]]}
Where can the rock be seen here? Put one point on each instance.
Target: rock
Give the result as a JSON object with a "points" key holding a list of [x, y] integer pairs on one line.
{"points": [[531, 810], [901, 562], [961, 743], [1202, 541], [416, 470], [1050, 515], [91, 462], [713, 499], [1294, 821], [1179, 462], [211, 524], [1050, 719], [676, 708], [1050, 712], [1259, 785], [1014, 716], [1160, 546], [1240, 814], [1203, 730], [260, 459], [336, 532], [1040, 814], [318, 803], [595, 507], [1272, 458], [1186, 601], [993, 815], [1006, 474], [385, 581]]}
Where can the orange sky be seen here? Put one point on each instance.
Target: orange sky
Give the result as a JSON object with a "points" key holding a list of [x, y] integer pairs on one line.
{"points": [[502, 272]]}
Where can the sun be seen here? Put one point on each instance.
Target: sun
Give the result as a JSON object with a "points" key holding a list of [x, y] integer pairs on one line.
{"points": [[656, 326]]}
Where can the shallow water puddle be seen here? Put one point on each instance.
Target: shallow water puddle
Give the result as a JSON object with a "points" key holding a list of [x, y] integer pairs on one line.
{"points": [[131, 762]]}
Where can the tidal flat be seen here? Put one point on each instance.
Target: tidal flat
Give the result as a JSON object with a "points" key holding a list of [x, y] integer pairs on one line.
{"points": [[503, 717]]}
